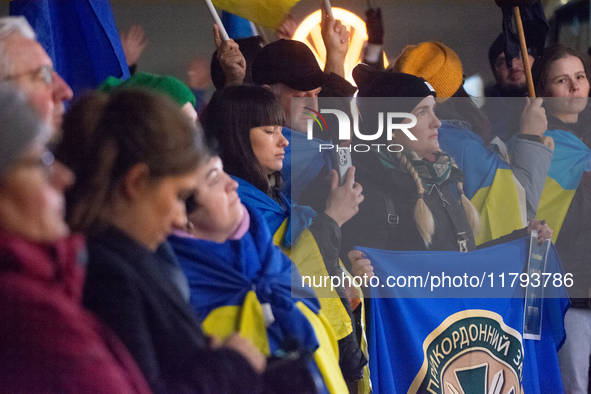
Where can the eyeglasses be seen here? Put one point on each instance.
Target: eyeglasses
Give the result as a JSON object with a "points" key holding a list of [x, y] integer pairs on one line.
{"points": [[46, 162], [502, 62], [43, 74]]}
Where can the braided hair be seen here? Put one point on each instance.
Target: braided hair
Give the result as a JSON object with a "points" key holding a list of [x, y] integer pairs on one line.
{"points": [[423, 215]]}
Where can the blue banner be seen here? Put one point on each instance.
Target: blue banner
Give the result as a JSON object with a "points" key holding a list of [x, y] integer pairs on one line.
{"points": [[80, 36], [467, 345]]}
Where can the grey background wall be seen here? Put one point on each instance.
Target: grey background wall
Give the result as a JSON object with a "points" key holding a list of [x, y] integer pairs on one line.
{"points": [[181, 30]]}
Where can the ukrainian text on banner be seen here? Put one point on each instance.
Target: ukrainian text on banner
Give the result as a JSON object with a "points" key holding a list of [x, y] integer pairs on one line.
{"points": [[494, 272], [460, 344]]}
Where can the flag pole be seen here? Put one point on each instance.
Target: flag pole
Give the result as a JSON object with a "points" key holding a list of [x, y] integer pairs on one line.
{"points": [[524, 53], [328, 8], [217, 20]]}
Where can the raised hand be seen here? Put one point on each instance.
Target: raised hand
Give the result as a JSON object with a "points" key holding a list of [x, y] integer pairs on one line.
{"points": [[533, 118], [343, 201], [336, 40], [133, 41], [230, 58]]}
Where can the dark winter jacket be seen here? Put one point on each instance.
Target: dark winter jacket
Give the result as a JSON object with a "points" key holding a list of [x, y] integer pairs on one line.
{"points": [[128, 290], [386, 216], [574, 240]]}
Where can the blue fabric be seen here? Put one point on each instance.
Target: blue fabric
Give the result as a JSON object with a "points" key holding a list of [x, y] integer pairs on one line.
{"points": [[222, 274], [303, 163], [237, 27], [569, 161], [400, 328], [478, 163], [80, 36], [300, 217]]}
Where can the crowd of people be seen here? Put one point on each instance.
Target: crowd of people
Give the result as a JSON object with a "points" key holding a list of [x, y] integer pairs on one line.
{"points": [[150, 242]]}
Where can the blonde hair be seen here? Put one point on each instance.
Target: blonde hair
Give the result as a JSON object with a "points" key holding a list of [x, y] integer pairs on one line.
{"points": [[423, 215]]}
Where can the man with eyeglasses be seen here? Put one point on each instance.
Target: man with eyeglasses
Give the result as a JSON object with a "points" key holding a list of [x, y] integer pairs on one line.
{"points": [[506, 101], [24, 62]]}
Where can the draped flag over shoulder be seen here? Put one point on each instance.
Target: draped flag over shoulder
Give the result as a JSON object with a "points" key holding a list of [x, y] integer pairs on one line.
{"points": [[80, 36], [305, 253], [462, 345], [290, 232], [571, 158], [489, 182], [265, 13], [245, 286]]}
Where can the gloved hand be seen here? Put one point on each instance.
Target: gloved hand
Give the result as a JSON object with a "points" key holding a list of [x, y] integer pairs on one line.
{"points": [[375, 26]]}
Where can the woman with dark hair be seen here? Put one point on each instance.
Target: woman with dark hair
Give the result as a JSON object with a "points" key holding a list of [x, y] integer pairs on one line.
{"points": [[562, 77], [136, 165], [49, 343], [239, 137], [246, 121]]}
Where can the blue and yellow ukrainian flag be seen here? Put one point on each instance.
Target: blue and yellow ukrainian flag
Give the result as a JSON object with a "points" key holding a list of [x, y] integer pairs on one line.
{"points": [[489, 182], [265, 13], [462, 345], [249, 286], [80, 36], [571, 158], [292, 224], [290, 232]]}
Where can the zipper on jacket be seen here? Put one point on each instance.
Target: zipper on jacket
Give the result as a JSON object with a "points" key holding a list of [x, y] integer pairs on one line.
{"points": [[443, 200]]}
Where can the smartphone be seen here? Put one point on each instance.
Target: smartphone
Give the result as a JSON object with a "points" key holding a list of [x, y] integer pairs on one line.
{"points": [[342, 163]]}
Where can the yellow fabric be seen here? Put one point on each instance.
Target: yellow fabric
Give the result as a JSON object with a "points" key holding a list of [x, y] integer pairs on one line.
{"points": [[327, 354], [554, 204], [307, 258], [364, 385], [499, 207], [435, 63], [246, 319], [279, 236], [309, 262], [265, 13]]}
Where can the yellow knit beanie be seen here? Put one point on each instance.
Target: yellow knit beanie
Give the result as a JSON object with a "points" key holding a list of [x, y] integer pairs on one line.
{"points": [[434, 62]]}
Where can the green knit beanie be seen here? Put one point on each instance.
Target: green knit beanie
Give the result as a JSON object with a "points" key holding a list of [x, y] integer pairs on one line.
{"points": [[167, 84]]}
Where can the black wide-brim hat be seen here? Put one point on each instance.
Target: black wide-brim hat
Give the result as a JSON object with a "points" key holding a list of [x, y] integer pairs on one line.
{"points": [[289, 62]]}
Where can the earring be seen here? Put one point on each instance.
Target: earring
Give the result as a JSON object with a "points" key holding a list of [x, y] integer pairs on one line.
{"points": [[189, 227]]}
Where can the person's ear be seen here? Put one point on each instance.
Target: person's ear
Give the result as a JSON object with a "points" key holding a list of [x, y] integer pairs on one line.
{"points": [[136, 181], [267, 86]]}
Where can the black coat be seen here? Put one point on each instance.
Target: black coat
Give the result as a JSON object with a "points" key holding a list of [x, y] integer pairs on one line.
{"points": [[573, 242], [370, 227], [128, 290]]}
